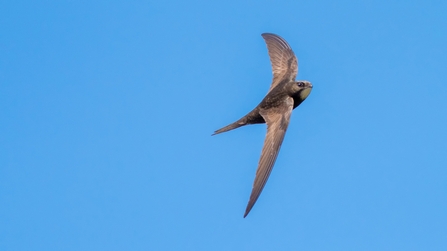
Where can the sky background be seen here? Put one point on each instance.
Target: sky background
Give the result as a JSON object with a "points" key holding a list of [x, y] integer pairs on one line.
{"points": [[107, 110]]}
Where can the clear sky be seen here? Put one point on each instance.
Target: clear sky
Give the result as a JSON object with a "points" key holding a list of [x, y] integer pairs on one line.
{"points": [[107, 110]]}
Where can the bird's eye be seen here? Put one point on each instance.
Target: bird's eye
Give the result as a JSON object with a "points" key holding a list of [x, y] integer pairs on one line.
{"points": [[300, 84]]}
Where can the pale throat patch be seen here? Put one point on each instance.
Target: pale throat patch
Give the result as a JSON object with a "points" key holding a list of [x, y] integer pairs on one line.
{"points": [[304, 93]]}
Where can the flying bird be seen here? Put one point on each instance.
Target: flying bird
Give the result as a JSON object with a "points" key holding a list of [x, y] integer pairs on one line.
{"points": [[284, 95]]}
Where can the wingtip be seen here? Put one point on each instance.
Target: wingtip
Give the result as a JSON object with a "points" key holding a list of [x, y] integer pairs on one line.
{"points": [[268, 34], [247, 211]]}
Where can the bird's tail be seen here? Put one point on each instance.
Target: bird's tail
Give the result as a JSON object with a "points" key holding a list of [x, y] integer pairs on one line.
{"points": [[252, 117], [232, 126]]}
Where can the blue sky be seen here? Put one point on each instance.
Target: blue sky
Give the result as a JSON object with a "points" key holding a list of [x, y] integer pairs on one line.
{"points": [[107, 111]]}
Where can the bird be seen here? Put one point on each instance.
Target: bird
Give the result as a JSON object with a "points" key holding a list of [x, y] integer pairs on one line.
{"points": [[284, 95]]}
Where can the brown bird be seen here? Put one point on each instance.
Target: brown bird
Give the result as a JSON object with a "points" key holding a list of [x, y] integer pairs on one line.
{"points": [[285, 94]]}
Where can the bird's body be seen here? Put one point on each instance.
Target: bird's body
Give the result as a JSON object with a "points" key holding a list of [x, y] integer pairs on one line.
{"points": [[285, 94]]}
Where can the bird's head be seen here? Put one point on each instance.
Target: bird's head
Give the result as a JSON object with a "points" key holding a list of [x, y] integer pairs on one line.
{"points": [[302, 88]]}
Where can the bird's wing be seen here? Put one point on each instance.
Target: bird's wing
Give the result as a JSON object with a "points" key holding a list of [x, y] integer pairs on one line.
{"points": [[277, 120], [282, 58]]}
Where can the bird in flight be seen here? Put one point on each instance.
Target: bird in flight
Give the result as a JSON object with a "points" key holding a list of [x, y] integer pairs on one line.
{"points": [[284, 95]]}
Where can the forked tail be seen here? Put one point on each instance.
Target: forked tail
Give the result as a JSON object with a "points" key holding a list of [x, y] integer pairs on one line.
{"points": [[232, 126], [252, 117]]}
